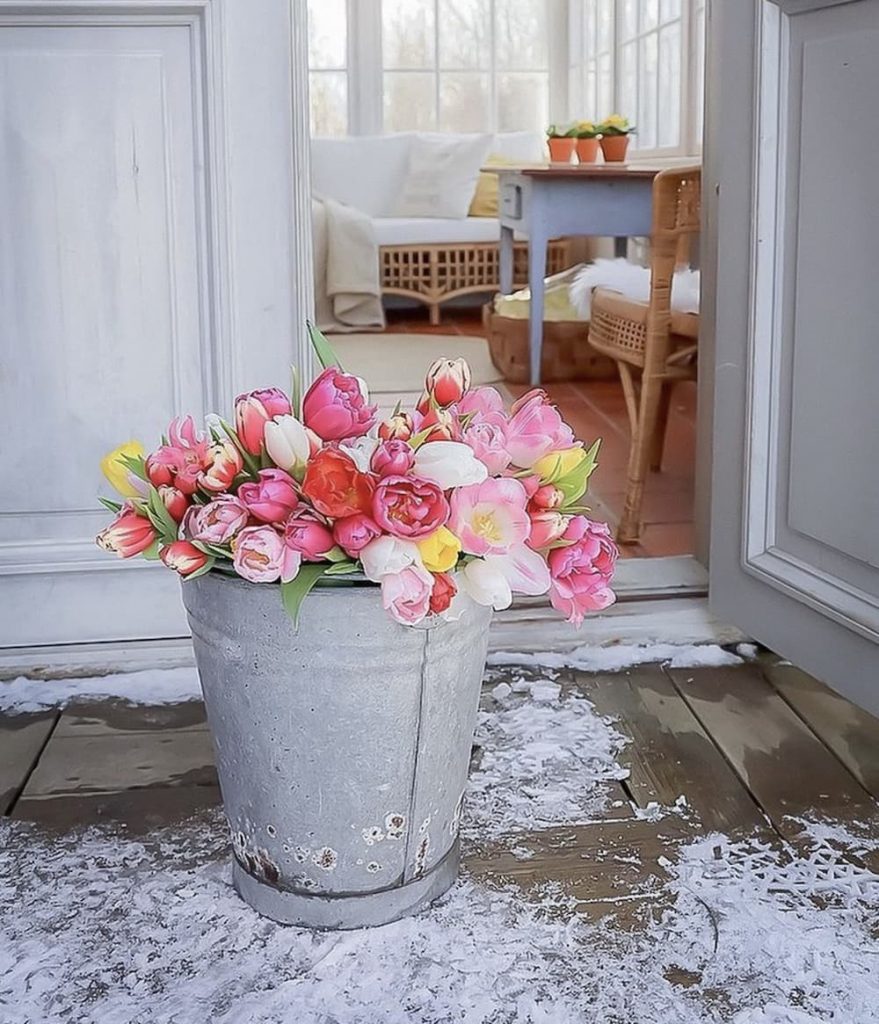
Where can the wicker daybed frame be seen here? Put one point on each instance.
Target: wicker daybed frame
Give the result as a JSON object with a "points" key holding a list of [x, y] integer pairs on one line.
{"points": [[433, 274]]}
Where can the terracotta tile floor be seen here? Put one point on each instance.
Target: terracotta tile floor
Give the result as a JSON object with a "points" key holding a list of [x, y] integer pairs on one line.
{"points": [[596, 409]]}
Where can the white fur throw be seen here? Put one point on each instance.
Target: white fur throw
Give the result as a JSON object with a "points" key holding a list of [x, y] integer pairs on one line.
{"points": [[632, 281]]}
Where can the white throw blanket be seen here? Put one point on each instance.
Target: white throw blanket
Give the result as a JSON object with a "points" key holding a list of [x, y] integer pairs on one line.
{"points": [[347, 277], [633, 281]]}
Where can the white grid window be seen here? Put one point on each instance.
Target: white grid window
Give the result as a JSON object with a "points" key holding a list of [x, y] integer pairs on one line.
{"points": [[328, 66], [465, 65], [645, 59]]}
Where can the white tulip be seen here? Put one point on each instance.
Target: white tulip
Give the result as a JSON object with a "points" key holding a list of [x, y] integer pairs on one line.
{"points": [[388, 555], [361, 451], [524, 570], [449, 464], [287, 442], [486, 584]]}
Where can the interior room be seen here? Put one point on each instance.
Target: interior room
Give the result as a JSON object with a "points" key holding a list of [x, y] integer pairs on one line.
{"points": [[428, 100]]}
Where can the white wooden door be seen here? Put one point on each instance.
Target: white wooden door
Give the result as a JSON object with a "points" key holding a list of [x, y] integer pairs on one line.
{"points": [[793, 206], [154, 259]]}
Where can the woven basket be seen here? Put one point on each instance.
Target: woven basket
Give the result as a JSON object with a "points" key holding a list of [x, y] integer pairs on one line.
{"points": [[567, 354]]}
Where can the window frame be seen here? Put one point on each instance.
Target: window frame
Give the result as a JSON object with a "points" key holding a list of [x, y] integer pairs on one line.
{"points": [[566, 71]]}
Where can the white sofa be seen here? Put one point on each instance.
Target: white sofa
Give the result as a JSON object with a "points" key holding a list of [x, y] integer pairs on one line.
{"points": [[431, 259]]}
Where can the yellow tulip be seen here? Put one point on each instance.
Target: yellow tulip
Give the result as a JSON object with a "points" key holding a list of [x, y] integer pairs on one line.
{"points": [[440, 550], [117, 473], [559, 464]]}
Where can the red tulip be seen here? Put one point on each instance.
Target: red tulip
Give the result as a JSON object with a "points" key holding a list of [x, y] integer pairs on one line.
{"points": [[183, 557], [447, 380], [129, 534], [174, 500]]}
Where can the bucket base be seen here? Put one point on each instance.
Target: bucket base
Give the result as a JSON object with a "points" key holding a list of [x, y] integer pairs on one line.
{"points": [[342, 912]]}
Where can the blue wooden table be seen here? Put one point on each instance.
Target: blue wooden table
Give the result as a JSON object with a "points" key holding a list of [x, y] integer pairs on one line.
{"points": [[545, 202]]}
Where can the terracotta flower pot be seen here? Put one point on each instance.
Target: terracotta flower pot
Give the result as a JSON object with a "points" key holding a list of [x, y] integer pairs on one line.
{"points": [[561, 150], [587, 150], [614, 148]]}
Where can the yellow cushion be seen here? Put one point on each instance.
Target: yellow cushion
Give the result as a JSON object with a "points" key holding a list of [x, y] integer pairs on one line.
{"points": [[485, 198]]}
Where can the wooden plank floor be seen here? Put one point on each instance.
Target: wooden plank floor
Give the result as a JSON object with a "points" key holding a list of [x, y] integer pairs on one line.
{"points": [[746, 751]]}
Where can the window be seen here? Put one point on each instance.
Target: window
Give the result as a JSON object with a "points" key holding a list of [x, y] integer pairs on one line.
{"points": [[645, 59], [465, 65], [327, 64]]}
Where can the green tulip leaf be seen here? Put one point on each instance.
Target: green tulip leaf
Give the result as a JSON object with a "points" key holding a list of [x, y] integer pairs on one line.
{"points": [[295, 592], [160, 517], [573, 485], [322, 348], [113, 506], [341, 568]]}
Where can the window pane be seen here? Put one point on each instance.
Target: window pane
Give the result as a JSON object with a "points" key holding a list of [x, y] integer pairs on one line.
{"points": [[591, 106], [329, 102], [647, 99], [628, 83], [604, 14], [699, 98], [464, 34], [629, 18], [408, 34], [409, 101], [604, 95], [327, 34], [523, 102], [521, 34], [649, 14], [465, 102], [671, 9], [670, 86]]}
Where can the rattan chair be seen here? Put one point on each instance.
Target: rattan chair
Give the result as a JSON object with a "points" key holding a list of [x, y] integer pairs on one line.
{"points": [[653, 346]]}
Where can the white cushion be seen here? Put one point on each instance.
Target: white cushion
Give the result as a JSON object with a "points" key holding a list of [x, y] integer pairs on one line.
{"points": [[364, 171], [435, 230], [441, 176]]}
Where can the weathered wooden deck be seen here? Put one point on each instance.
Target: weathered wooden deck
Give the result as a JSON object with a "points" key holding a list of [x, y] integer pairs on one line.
{"points": [[752, 749]]}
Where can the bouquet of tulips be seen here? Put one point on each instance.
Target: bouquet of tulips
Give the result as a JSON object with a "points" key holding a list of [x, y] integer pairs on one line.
{"points": [[456, 500]]}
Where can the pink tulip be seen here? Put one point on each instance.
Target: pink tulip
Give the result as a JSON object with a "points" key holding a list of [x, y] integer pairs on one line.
{"points": [[546, 528], [174, 500], [181, 461], [183, 557], [353, 533], [487, 436], [225, 464], [253, 410], [392, 458], [129, 534], [408, 507], [547, 496], [535, 429], [219, 520], [305, 533], [490, 517], [335, 406], [582, 570], [484, 401], [406, 594], [272, 497], [399, 427], [261, 556], [447, 380]]}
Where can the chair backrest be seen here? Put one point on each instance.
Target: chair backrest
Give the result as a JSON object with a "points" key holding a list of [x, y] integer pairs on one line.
{"points": [[677, 211]]}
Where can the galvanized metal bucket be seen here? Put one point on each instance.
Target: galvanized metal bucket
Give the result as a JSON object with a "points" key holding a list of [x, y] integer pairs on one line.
{"points": [[342, 746]]}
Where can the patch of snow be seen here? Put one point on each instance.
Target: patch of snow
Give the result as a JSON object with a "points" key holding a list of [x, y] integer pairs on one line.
{"points": [[153, 686], [747, 651], [544, 759], [621, 656]]}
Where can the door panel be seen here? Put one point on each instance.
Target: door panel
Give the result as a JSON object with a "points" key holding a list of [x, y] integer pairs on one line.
{"points": [[153, 260], [795, 557]]}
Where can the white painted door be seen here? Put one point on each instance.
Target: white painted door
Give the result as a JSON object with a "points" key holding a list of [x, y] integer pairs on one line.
{"points": [[793, 205], [154, 259]]}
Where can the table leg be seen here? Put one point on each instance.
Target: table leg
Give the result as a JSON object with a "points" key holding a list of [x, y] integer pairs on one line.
{"points": [[536, 273], [620, 247], [506, 260]]}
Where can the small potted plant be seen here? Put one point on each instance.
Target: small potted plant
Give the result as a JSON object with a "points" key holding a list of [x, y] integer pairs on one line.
{"points": [[615, 132], [587, 142], [561, 140]]}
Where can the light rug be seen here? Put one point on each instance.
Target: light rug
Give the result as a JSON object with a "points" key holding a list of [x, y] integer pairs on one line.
{"points": [[396, 362]]}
